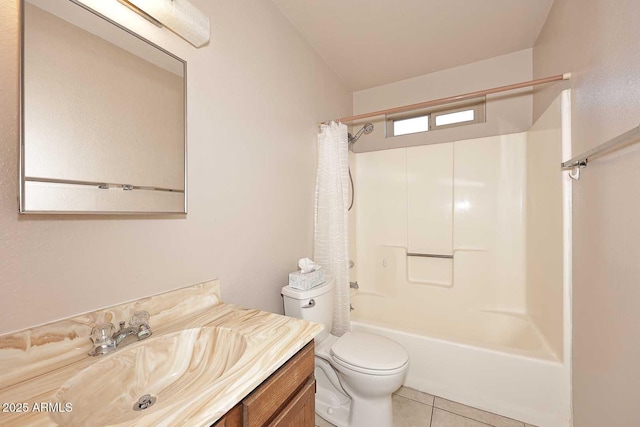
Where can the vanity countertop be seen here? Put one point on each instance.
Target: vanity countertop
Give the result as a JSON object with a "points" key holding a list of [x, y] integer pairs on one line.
{"points": [[36, 363]]}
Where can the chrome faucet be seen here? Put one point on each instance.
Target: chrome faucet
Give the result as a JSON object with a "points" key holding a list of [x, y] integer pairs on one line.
{"points": [[354, 285], [125, 336], [106, 339]]}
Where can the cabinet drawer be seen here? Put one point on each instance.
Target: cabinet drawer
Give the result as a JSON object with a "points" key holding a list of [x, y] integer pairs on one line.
{"points": [[300, 412], [276, 392]]}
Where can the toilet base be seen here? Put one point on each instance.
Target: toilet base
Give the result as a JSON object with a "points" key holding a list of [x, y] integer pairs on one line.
{"points": [[326, 408], [331, 406], [371, 412]]}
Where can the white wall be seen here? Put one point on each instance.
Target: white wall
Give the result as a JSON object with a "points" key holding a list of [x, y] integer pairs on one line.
{"points": [[255, 96], [506, 112], [597, 41]]}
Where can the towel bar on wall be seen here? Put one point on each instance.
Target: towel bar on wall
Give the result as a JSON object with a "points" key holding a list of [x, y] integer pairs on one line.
{"points": [[579, 162], [430, 255]]}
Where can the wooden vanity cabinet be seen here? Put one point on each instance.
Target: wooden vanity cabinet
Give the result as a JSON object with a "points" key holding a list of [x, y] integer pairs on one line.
{"points": [[285, 399], [233, 418]]}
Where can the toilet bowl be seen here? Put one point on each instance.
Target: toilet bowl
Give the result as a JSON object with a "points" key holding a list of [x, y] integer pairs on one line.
{"points": [[355, 373]]}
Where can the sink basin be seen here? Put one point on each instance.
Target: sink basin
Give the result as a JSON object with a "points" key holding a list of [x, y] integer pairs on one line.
{"points": [[162, 367]]}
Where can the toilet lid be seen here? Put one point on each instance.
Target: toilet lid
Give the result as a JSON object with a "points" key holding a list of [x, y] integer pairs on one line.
{"points": [[369, 351]]}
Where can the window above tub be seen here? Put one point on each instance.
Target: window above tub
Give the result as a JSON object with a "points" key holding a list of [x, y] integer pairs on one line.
{"points": [[441, 117]]}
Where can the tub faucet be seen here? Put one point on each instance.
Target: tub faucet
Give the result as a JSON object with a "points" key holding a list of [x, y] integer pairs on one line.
{"points": [[105, 340], [354, 285]]}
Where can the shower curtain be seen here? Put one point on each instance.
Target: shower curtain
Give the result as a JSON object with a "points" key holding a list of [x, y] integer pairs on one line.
{"points": [[331, 233]]}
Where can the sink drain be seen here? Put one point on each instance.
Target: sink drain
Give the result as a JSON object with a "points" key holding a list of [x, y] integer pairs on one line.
{"points": [[144, 402]]}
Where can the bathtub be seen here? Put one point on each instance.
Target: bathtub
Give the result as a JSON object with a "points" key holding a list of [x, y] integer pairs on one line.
{"points": [[491, 360]]}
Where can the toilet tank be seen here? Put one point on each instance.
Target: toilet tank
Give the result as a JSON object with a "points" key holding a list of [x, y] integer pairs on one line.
{"points": [[298, 303]]}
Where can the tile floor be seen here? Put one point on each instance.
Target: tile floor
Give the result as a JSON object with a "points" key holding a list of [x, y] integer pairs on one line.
{"points": [[412, 408]]}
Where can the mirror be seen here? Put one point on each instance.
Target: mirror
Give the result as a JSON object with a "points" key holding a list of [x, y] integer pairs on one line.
{"points": [[103, 116]]}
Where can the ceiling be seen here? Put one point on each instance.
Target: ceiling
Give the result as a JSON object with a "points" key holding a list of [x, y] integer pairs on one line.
{"points": [[374, 42]]}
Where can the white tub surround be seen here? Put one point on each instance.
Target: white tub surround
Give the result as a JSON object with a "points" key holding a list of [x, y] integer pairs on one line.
{"points": [[36, 362], [487, 321]]}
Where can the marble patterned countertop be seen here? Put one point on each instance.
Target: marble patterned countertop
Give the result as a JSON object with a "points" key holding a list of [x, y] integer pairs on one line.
{"points": [[42, 366]]}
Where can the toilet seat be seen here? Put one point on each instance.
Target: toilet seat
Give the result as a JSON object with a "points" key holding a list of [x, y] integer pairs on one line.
{"points": [[370, 372], [369, 354]]}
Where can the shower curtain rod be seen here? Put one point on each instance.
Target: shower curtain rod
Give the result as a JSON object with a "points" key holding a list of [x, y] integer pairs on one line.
{"points": [[451, 99]]}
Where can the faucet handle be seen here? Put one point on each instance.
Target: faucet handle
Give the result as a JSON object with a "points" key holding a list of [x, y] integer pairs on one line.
{"points": [[102, 337], [140, 318], [102, 333], [140, 321]]}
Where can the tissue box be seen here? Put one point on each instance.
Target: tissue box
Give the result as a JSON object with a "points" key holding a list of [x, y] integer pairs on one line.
{"points": [[306, 281]]}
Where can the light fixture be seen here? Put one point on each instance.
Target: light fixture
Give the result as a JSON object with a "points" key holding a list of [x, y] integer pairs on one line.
{"points": [[179, 16]]}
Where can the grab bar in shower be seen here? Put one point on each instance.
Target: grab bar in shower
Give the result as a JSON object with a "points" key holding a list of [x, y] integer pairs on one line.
{"points": [[430, 255]]}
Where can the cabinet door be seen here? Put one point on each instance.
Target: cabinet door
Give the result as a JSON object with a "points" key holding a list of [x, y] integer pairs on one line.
{"points": [[300, 412], [275, 393], [233, 418]]}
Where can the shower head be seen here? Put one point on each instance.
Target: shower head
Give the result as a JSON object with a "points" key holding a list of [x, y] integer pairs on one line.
{"points": [[366, 129]]}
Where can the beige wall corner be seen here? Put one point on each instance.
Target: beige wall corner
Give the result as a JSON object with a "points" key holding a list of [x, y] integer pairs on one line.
{"points": [[597, 41]]}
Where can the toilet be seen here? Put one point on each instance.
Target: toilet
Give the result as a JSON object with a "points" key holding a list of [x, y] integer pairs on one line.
{"points": [[355, 373]]}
